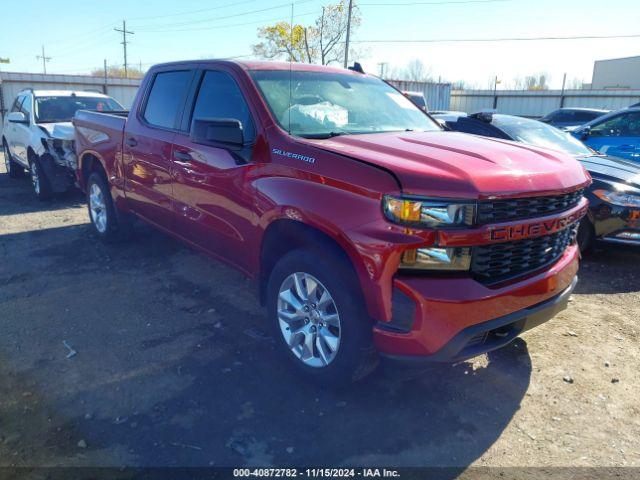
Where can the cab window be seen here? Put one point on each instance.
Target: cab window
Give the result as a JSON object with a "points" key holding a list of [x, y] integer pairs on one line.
{"points": [[166, 98], [625, 125], [220, 97]]}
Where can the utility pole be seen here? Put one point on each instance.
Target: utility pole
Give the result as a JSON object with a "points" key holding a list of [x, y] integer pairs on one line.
{"points": [[44, 59], [564, 81], [383, 67], [124, 44], [105, 77], [346, 46], [495, 93]]}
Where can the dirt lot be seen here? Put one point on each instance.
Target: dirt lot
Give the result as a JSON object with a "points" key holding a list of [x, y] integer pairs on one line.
{"points": [[173, 367]]}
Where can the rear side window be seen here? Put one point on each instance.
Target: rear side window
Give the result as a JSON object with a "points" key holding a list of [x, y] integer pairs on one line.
{"points": [[220, 97], [581, 116], [166, 98], [27, 107], [17, 103]]}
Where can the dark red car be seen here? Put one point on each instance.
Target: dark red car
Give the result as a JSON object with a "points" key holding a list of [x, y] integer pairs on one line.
{"points": [[368, 230]]}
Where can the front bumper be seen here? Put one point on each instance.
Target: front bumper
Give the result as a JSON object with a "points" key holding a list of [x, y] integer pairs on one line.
{"points": [[617, 224], [457, 318]]}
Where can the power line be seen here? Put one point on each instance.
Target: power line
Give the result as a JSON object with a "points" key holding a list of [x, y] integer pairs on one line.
{"points": [[44, 59], [448, 2], [193, 22], [124, 44], [504, 39], [215, 27], [191, 12]]}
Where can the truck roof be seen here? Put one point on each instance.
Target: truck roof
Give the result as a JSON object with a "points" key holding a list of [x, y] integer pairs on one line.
{"points": [[266, 65]]}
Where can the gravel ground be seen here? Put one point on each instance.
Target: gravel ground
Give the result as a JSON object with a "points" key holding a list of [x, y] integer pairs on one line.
{"points": [[172, 366]]}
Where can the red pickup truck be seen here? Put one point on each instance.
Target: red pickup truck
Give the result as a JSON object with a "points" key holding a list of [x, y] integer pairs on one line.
{"points": [[369, 230]]}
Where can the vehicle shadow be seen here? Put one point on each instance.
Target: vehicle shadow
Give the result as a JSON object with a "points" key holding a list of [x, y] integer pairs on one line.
{"points": [[174, 368], [610, 268], [17, 197]]}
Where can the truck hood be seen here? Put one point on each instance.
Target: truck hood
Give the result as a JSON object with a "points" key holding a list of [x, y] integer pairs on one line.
{"points": [[62, 130], [613, 169], [457, 165]]}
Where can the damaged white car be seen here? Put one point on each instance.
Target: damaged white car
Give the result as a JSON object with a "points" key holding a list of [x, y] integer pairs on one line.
{"points": [[38, 136]]}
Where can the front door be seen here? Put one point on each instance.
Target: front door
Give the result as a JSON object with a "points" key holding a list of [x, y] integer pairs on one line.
{"points": [[20, 132], [148, 143], [212, 203], [617, 136]]}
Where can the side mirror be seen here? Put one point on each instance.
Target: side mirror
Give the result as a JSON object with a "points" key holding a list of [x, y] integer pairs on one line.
{"points": [[17, 117], [584, 133], [218, 132]]}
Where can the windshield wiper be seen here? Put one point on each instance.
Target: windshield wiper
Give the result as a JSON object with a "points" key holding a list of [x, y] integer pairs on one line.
{"points": [[322, 136]]}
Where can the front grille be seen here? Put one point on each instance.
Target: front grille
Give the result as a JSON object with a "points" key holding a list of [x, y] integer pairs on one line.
{"points": [[520, 208], [501, 261]]}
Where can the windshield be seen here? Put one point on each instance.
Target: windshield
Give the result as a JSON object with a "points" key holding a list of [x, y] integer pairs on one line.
{"points": [[62, 109], [540, 134], [327, 104]]}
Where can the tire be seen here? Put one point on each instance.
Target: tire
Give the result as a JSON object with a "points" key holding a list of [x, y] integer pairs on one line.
{"points": [[14, 169], [105, 222], [586, 235], [39, 180], [354, 356]]}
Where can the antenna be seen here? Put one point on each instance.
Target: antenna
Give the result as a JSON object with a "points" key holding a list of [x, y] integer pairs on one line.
{"points": [[290, 67]]}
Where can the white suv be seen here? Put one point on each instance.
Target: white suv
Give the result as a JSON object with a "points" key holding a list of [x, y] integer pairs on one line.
{"points": [[38, 136]]}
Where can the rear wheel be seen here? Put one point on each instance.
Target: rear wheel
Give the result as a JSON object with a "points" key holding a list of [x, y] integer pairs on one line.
{"points": [[13, 169], [102, 213], [319, 319], [39, 180]]}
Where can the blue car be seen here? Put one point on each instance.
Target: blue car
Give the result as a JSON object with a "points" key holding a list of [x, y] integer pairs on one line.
{"points": [[616, 134]]}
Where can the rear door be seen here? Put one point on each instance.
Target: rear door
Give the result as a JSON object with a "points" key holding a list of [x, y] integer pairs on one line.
{"points": [[212, 199], [148, 141], [618, 136]]}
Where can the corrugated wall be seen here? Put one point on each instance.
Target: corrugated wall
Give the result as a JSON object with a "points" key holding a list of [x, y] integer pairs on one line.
{"points": [[539, 103], [11, 83], [436, 94]]}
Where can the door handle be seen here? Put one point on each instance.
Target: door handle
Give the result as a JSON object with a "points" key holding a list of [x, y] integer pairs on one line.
{"points": [[132, 142], [182, 157]]}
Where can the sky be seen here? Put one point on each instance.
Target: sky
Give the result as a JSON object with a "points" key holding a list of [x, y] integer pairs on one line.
{"points": [[78, 35]]}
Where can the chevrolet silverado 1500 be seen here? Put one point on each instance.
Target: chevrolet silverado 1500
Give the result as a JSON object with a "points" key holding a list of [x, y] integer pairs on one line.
{"points": [[369, 231]]}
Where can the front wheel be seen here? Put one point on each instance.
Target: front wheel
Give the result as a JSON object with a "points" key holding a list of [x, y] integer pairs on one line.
{"points": [[102, 213], [39, 180], [319, 319]]}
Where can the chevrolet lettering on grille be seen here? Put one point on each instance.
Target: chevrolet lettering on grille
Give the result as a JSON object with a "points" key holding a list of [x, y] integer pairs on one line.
{"points": [[536, 229]]}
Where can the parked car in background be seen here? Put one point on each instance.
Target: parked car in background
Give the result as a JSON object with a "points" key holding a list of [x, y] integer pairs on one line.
{"points": [[418, 99], [368, 230], [38, 136], [614, 196], [571, 118], [616, 134]]}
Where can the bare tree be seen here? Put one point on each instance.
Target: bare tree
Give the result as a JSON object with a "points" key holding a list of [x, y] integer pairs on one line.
{"points": [[322, 42], [416, 71]]}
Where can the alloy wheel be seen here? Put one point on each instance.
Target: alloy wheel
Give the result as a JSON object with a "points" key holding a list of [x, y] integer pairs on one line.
{"points": [[98, 208], [309, 320], [35, 178], [7, 159]]}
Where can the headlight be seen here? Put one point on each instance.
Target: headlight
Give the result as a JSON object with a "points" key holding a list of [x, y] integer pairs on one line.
{"points": [[437, 258], [620, 198], [427, 212]]}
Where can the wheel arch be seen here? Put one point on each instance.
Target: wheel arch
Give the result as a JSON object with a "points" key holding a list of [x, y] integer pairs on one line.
{"points": [[88, 163], [283, 235]]}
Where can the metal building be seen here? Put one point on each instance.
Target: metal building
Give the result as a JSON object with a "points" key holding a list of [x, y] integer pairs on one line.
{"points": [[616, 73], [122, 89]]}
